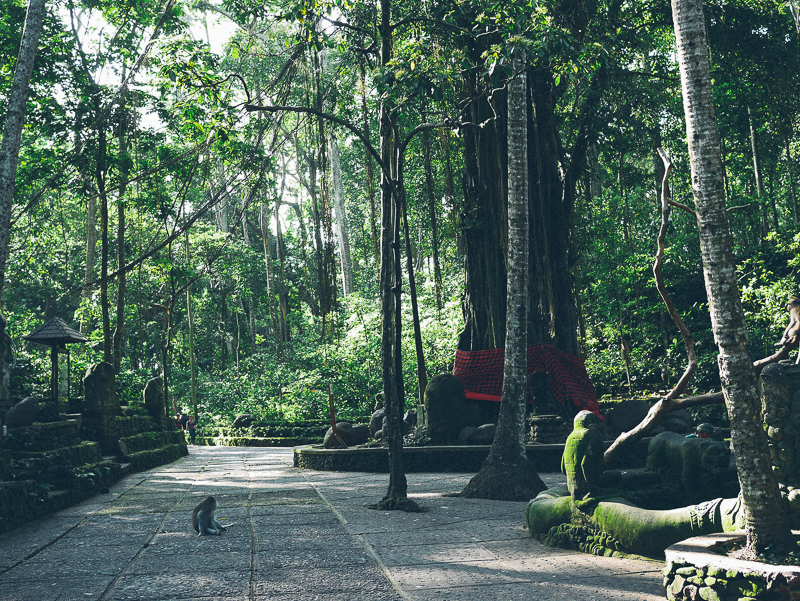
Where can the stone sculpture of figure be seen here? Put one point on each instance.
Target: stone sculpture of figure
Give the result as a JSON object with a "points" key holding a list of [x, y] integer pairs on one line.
{"points": [[698, 466], [582, 461]]}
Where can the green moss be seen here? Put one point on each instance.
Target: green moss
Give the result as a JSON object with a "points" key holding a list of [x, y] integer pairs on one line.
{"points": [[748, 588], [581, 538], [709, 594], [715, 572], [145, 460], [147, 441]]}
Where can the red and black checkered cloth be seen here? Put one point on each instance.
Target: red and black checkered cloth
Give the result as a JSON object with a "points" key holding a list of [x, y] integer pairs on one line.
{"points": [[481, 374]]}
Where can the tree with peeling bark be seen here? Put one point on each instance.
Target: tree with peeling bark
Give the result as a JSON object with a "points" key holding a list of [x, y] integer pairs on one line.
{"points": [[767, 523], [507, 474], [9, 150]]}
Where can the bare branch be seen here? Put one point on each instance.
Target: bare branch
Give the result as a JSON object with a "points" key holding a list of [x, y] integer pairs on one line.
{"points": [[668, 402]]}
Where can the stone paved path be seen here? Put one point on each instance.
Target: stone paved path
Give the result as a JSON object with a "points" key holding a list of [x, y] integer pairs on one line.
{"points": [[298, 536]]}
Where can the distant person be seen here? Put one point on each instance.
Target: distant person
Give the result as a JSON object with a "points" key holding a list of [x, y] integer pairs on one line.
{"points": [[192, 430], [702, 431], [179, 421], [184, 420]]}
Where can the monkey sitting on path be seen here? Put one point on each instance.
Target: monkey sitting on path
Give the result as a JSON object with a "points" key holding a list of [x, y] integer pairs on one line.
{"points": [[791, 336], [203, 519]]}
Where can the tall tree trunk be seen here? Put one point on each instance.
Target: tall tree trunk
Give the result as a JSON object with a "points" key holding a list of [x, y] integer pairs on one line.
{"points": [[757, 172], [450, 191], [791, 182], [190, 319], [124, 170], [327, 265], [342, 227], [422, 373], [89, 274], [397, 493], [767, 522], [507, 475], [283, 295], [370, 175], [100, 178], [437, 271], [265, 237], [795, 15], [90, 249], [12, 129], [485, 283]]}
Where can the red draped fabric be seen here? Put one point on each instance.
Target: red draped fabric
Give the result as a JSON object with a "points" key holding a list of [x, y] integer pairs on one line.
{"points": [[481, 374]]}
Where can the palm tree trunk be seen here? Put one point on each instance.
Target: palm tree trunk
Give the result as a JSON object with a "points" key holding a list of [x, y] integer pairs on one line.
{"points": [[767, 522]]}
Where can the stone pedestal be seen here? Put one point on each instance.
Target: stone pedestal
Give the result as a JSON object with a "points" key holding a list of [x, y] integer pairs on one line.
{"points": [[549, 429], [100, 406], [154, 400]]}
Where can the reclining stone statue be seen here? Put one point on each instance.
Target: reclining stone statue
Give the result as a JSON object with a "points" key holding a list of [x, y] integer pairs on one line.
{"points": [[697, 468], [587, 514]]}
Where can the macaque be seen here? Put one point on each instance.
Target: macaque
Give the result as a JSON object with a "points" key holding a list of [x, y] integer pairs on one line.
{"points": [[791, 336], [203, 519]]}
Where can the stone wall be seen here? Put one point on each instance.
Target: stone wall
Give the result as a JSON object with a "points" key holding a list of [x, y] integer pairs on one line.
{"points": [[686, 582], [44, 437], [135, 424]]}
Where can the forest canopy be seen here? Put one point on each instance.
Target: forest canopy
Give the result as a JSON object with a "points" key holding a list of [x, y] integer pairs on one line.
{"points": [[199, 190]]}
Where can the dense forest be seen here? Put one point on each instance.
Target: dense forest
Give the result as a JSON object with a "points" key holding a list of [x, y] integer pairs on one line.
{"points": [[200, 188]]}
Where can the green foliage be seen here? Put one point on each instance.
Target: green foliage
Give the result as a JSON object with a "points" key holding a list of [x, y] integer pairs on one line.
{"points": [[180, 153]]}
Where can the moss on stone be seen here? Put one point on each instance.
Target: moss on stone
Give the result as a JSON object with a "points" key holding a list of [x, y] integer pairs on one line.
{"points": [[716, 572], [709, 594]]}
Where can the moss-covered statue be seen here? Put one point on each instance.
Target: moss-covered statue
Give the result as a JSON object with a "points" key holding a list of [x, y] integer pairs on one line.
{"points": [[588, 515], [696, 469], [582, 461]]}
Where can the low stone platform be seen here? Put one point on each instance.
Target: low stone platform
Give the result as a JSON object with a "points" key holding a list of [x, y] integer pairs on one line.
{"points": [[546, 458], [696, 570]]}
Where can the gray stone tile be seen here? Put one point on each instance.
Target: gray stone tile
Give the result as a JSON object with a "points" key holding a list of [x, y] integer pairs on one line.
{"points": [[187, 542], [367, 580], [266, 529], [494, 530], [192, 563], [331, 556], [576, 567], [292, 545], [98, 537], [301, 511], [53, 589], [181, 585], [423, 554], [391, 539], [268, 520], [351, 595], [442, 575], [119, 523]]}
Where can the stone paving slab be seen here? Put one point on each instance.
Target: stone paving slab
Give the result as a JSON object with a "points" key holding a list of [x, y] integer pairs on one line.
{"points": [[296, 535], [53, 589]]}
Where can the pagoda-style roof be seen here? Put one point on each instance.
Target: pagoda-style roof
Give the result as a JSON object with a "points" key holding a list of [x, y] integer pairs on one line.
{"points": [[55, 332]]}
